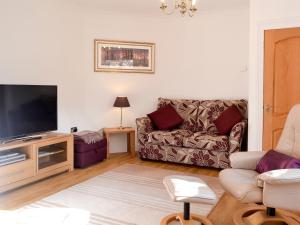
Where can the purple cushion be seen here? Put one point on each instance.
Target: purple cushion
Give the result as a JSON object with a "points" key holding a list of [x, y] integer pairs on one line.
{"points": [[274, 160]]}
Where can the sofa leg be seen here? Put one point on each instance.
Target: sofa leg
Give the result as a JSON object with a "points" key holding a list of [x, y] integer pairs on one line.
{"points": [[186, 211], [271, 211]]}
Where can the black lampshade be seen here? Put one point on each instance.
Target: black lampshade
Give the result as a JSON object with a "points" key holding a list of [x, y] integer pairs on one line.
{"points": [[121, 102]]}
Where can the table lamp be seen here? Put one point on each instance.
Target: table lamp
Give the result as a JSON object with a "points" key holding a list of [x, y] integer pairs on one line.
{"points": [[121, 102]]}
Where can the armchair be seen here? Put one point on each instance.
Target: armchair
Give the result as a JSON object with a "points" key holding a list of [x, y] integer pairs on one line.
{"points": [[274, 189]]}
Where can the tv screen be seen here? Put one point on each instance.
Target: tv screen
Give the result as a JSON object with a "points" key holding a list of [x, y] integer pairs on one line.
{"points": [[27, 109]]}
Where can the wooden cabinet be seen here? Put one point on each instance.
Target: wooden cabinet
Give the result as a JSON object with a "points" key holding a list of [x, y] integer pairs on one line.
{"points": [[42, 158]]}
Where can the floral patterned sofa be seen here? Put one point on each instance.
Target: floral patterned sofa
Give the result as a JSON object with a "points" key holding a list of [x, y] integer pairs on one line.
{"points": [[197, 141]]}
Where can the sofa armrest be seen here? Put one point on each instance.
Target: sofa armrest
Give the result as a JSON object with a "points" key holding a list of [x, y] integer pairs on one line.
{"points": [[144, 126], [245, 160], [236, 136], [281, 176]]}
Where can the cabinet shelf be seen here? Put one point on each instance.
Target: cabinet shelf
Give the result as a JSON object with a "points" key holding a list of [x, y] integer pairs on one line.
{"points": [[14, 155], [45, 153]]}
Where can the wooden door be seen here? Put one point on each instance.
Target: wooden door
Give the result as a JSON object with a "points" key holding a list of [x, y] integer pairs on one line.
{"points": [[281, 81]]}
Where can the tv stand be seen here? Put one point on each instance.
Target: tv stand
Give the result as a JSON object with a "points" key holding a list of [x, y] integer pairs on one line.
{"points": [[34, 158]]}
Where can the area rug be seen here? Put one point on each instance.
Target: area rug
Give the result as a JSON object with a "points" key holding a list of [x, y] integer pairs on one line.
{"points": [[128, 195]]}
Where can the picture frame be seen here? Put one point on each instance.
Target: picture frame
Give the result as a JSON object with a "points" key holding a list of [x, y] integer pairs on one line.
{"points": [[124, 56]]}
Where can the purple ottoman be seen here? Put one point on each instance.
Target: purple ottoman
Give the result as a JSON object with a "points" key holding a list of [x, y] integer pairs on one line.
{"points": [[89, 154]]}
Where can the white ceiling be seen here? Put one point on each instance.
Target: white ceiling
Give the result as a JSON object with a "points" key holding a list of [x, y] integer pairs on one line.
{"points": [[152, 6]]}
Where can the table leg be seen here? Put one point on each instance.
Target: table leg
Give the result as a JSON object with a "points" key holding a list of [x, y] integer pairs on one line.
{"points": [[131, 143], [186, 211], [107, 147]]}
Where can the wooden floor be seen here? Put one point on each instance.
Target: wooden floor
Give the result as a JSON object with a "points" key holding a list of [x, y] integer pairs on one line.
{"points": [[36, 191], [220, 215]]}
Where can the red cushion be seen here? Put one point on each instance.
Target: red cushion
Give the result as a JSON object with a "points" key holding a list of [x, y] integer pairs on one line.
{"points": [[166, 118], [228, 119]]}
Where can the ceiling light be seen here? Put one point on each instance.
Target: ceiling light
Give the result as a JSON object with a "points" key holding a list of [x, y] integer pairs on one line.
{"points": [[184, 7]]}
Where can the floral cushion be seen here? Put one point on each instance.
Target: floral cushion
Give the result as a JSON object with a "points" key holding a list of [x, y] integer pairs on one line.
{"points": [[206, 141], [210, 110], [187, 109], [191, 156], [172, 138]]}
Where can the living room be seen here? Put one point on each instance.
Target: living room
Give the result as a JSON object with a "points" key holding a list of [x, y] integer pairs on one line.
{"points": [[218, 53]]}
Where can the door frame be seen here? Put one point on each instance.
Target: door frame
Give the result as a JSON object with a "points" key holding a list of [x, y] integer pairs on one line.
{"points": [[262, 27]]}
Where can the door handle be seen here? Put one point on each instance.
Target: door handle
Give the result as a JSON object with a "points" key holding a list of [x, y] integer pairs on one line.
{"points": [[268, 108]]}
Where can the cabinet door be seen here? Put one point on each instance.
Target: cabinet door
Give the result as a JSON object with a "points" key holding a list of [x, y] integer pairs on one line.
{"points": [[53, 154]]}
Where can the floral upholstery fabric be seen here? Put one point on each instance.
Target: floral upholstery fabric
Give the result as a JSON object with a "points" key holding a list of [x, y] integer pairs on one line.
{"points": [[144, 126], [210, 110], [187, 109], [191, 156], [206, 141], [172, 138], [236, 136], [200, 144]]}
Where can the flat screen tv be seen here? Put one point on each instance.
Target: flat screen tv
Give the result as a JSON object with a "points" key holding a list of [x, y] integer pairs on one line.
{"points": [[27, 110]]}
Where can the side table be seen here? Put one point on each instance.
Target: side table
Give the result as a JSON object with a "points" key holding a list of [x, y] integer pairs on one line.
{"points": [[130, 131]]}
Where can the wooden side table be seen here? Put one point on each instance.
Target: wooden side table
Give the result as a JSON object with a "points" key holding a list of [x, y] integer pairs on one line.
{"points": [[130, 131]]}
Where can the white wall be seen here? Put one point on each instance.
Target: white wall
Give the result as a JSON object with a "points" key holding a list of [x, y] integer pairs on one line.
{"points": [[216, 54], [51, 42], [264, 15]]}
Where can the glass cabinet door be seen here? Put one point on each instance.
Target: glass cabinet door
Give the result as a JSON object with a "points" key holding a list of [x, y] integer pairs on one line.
{"points": [[52, 154]]}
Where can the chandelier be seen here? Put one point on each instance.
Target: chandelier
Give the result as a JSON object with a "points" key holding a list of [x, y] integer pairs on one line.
{"points": [[184, 7]]}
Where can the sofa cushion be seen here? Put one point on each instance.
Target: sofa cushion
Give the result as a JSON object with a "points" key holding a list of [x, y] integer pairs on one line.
{"points": [[172, 138], [187, 109], [203, 140], [210, 110], [165, 118], [226, 121]]}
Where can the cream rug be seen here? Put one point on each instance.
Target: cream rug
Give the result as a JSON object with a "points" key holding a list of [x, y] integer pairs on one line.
{"points": [[128, 195]]}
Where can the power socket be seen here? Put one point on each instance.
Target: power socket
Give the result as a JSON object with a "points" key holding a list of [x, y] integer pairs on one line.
{"points": [[74, 129]]}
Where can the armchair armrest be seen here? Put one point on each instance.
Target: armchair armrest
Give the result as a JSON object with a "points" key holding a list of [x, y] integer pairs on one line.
{"points": [[245, 160], [236, 136], [282, 176]]}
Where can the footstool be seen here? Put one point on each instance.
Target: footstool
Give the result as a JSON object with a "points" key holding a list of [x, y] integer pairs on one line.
{"points": [[88, 154], [188, 190]]}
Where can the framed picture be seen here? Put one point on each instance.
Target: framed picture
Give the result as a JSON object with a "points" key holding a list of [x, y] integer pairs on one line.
{"points": [[124, 56]]}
